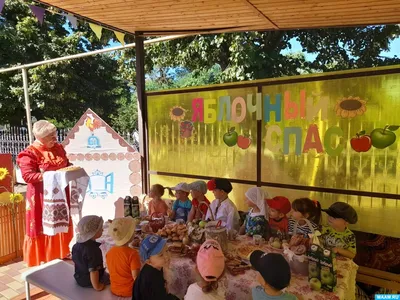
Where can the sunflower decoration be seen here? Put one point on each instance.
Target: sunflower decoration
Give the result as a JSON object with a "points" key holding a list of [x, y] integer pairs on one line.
{"points": [[177, 113], [350, 107], [16, 198], [3, 173]]}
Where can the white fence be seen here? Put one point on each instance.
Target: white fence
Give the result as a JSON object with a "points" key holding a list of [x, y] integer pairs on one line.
{"points": [[15, 139]]}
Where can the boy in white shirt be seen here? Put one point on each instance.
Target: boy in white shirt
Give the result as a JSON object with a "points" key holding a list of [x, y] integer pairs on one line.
{"points": [[222, 208]]}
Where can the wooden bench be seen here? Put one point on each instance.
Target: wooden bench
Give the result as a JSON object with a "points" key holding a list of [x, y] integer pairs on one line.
{"points": [[57, 278], [379, 278]]}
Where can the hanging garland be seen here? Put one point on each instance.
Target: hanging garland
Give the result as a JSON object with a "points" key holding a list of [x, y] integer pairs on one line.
{"points": [[39, 13]]}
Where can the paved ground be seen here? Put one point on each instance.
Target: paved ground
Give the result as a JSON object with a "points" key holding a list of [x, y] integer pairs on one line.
{"points": [[11, 284]]}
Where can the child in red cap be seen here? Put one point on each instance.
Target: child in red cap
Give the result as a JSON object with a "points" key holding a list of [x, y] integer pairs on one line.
{"points": [[279, 207]]}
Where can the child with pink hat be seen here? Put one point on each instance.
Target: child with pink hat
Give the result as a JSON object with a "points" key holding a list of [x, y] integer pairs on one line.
{"points": [[210, 264]]}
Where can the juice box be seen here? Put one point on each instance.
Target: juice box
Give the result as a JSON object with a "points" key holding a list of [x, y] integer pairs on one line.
{"points": [[314, 267], [328, 270]]}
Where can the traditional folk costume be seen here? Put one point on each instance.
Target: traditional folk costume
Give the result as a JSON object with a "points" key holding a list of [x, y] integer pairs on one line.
{"points": [[39, 247]]}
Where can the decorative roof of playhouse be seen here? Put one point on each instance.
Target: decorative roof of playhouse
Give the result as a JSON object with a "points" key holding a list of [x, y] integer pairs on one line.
{"points": [[90, 122], [163, 17]]}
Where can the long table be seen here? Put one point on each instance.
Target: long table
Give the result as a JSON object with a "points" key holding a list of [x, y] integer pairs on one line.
{"points": [[181, 273]]}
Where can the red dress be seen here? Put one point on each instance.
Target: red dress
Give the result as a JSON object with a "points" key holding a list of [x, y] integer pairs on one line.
{"points": [[37, 246]]}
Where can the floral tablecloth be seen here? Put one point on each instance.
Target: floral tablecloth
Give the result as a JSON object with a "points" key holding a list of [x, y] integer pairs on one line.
{"points": [[181, 273]]}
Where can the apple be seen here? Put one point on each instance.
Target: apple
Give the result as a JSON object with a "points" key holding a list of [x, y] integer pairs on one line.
{"points": [[231, 137], [327, 277], [243, 142], [315, 284], [313, 270], [361, 143], [202, 224], [383, 137], [276, 244]]}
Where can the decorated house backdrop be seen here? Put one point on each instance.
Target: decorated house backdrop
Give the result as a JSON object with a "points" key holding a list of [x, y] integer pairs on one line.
{"points": [[332, 137], [112, 164]]}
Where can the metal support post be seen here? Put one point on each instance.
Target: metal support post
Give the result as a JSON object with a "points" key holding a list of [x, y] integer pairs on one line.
{"points": [[27, 104], [142, 111]]}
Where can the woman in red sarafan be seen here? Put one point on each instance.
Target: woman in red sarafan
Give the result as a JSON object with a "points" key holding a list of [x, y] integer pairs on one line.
{"points": [[45, 154]]}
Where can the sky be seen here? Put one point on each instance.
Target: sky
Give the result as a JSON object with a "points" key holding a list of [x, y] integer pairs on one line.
{"points": [[296, 47]]}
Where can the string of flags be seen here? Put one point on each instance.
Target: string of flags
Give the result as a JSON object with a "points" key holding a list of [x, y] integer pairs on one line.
{"points": [[39, 13]]}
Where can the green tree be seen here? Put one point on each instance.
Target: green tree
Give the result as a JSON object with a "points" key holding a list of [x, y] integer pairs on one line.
{"points": [[63, 91], [255, 55]]}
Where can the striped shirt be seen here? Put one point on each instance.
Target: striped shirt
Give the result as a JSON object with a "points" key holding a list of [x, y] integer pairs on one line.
{"points": [[301, 229]]}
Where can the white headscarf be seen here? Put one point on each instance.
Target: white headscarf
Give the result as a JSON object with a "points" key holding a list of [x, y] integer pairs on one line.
{"points": [[257, 195]]}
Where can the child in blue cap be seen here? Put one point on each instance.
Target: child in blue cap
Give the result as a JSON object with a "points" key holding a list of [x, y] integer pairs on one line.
{"points": [[150, 283]]}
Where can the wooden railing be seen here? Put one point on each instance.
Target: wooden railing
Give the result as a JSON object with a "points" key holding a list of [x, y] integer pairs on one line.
{"points": [[12, 229], [386, 280]]}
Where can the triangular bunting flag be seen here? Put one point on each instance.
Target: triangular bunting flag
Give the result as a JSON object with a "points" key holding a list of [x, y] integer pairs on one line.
{"points": [[97, 29], [120, 36], [38, 12], [2, 5], [72, 20]]}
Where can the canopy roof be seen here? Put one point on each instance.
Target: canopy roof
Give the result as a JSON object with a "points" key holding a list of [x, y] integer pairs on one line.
{"points": [[161, 17]]}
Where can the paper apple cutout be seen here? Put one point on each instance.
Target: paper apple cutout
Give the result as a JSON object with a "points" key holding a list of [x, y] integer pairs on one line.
{"points": [[315, 284], [231, 137], [383, 137], [243, 142], [361, 143]]}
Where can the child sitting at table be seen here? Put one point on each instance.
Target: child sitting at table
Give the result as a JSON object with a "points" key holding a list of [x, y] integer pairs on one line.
{"points": [[210, 263], [222, 208], [87, 256], [273, 276], [256, 222], [123, 262], [182, 205], [278, 208], [158, 205], [337, 235], [151, 284], [200, 203], [305, 217]]}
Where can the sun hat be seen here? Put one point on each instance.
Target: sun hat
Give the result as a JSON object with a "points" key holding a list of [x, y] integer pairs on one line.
{"points": [[151, 245], [183, 186], [280, 203], [121, 230], [341, 210], [198, 185], [220, 184], [88, 226], [210, 260], [273, 267]]}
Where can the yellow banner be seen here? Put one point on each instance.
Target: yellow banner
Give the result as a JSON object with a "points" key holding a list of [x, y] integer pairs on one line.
{"points": [[338, 133]]}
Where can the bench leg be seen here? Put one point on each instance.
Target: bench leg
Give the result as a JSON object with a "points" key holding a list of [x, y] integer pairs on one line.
{"points": [[27, 291]]}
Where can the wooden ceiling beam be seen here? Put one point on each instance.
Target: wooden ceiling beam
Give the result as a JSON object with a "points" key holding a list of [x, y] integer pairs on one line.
{"points": [[261, 14]]}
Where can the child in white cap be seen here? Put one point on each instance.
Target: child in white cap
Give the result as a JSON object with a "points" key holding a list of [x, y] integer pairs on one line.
{"points": [[182, 205], [123, 262], [87, 256]]}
